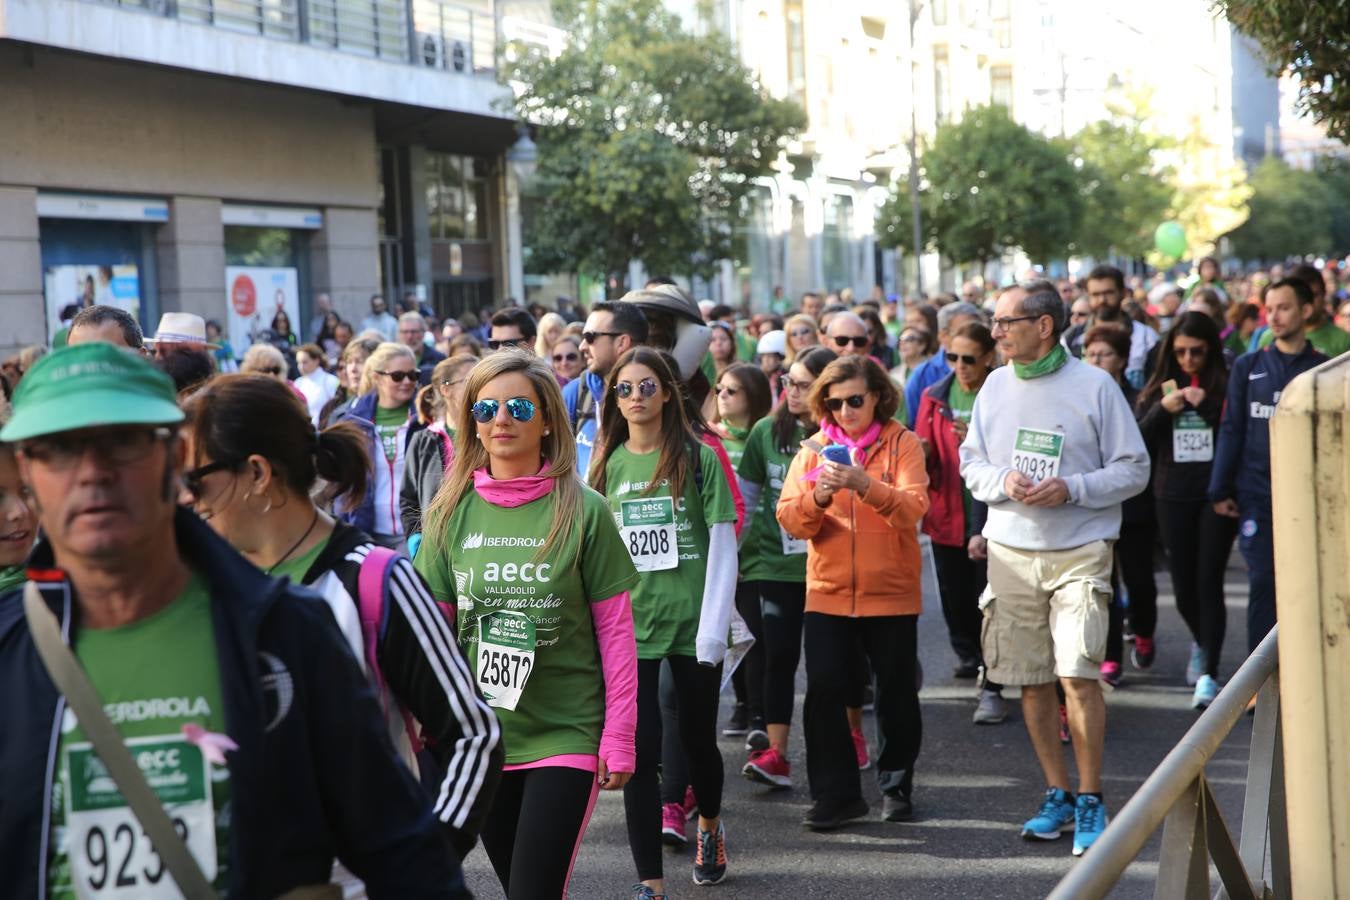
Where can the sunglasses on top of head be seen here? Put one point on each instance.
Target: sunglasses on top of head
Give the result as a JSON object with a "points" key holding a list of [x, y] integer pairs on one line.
{"points": [[834, 404], [646, 388], [520, 409], [398, 377], [842, 341]]}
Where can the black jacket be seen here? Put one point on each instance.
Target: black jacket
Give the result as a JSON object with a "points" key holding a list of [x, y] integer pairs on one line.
{"points": [[1174, 481], [426, 673], [314, 777]]}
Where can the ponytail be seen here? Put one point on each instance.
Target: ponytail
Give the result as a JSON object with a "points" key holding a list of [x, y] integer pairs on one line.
{"points": [[342, 459]]}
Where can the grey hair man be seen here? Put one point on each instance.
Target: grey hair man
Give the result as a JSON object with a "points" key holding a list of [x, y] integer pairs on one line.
{"points": [[1053, 450]]}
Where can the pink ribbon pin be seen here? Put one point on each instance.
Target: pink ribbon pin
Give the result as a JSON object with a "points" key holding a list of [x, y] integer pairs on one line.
{"points": [[212, 745]]}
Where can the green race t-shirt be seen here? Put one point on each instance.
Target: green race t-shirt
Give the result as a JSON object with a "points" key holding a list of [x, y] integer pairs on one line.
{"points": [[387, 424], [734, 443], [668, 542], [12, 577], [153, 676], [767, 552], [962, 403], [1326, 339], [540, 654], [296, 567]]}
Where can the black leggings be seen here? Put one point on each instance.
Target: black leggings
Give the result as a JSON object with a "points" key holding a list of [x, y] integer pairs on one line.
{"points": [[748, 679], [1133, 568], [1198, 542], [696, 689], [784, 606], [534, 829]]}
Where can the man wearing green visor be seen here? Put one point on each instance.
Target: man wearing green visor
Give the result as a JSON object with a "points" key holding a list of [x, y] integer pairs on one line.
{"points": [[234, 692]]}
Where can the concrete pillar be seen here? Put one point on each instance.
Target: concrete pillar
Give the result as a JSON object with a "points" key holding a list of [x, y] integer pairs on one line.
{"points": [[190, 256], [1310, 483], [511, 237], [344, 260], [23, 316]]}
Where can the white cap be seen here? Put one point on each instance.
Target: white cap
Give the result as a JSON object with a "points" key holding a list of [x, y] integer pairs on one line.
{"points": [[773, 342]]}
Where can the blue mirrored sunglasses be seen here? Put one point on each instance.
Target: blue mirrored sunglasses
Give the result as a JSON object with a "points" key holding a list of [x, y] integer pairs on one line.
{"points": [[485, 411]]}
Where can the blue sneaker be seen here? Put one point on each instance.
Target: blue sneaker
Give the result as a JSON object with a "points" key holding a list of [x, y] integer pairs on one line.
{"points": [[1195, 666], [640, 891], [1055, 816], [1206, 689], [1089, 823]]}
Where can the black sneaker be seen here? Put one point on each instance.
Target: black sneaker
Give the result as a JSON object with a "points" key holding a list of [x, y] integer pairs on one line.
{"points": [[710, 859], [826, 815], [967, 668], [757, 737], [896, 808], [739, 722]]}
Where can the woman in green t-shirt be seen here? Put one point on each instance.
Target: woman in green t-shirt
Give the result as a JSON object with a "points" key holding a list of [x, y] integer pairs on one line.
{"points": [[772, 597], [535, 565], [678, 522]]}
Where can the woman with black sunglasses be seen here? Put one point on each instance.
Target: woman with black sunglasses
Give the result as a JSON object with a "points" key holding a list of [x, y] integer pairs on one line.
{"points": [[254, 459], [855, 493], [536, 566], [678, 522], [385, 412], [954, 517], [566, 358], [1179, 411]]}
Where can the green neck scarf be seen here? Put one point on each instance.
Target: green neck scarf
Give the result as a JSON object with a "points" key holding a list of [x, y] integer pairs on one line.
{"points": [[739, 435], [1047, 365]]}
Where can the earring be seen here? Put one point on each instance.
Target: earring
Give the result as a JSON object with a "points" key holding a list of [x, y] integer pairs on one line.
{"points": [[545, 431]]}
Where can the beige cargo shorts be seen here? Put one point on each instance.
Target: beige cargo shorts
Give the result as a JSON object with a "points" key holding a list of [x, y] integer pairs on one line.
{"points": [[1046, 613]]}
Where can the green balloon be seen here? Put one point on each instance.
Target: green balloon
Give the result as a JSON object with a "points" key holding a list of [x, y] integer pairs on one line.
{"points": [[1170, 239]]}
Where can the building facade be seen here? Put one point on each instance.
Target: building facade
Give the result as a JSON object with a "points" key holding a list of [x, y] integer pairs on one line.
{"points": [[235, 158]]}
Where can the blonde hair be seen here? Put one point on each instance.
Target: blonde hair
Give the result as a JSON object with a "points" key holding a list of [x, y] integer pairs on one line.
{"points": [[557, 446], [260, 356], [383, 355], [548, 322], [798, 319]]}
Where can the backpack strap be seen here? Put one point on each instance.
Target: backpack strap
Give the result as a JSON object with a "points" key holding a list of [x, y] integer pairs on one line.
{"points": [[371, 584], [447, 450], [585, 405]]}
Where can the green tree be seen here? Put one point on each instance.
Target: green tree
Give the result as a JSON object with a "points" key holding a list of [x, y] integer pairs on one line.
{"points": [[1290, 214], [988, 185], [648, 137], [1309, 39], [1334, 171], [1126, 190]]}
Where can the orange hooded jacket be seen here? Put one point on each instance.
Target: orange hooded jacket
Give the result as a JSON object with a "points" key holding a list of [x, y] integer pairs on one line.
{"points": [[863, 557]]}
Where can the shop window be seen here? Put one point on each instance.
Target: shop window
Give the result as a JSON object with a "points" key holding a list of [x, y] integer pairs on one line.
{"points": [[457, 197]]}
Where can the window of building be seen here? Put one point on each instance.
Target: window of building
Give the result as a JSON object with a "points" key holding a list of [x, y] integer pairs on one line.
{"points": [[837, 242], [941, 85], [796, 50], [939, 12], [1001, 86], [457, 196]]}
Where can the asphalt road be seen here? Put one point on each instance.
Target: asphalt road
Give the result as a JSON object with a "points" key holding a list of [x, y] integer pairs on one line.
{"points": [[974, 786]]}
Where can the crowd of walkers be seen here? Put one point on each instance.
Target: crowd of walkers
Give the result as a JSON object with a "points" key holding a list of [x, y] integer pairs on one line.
{"points": [[350, 604]]}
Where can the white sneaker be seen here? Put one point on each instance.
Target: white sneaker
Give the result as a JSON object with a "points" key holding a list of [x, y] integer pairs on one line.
{"points": [[991, 708], [1206, 689]]}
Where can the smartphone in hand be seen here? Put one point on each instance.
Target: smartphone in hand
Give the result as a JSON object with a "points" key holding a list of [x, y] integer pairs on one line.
{"points": [[837, 453]]}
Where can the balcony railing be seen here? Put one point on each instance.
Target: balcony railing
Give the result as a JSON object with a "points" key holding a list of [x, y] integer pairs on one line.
{"points": [[435, 34]]}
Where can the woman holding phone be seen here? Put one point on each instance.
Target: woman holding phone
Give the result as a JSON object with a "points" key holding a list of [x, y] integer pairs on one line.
{"points": [[856, 493], [667, 490]]}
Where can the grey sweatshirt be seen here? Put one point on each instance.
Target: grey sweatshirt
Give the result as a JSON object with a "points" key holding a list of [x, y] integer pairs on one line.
{"points": [[1103, 460]]}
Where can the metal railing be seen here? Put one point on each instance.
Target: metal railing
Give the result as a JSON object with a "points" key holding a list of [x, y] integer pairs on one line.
{"points": [[1178, 797], [439, 34]]}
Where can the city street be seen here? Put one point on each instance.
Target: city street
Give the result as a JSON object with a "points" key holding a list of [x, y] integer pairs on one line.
{"points": [[974, 786]]}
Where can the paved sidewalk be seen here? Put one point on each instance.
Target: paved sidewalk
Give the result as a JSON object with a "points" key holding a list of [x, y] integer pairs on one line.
{"points": [[974, 786]]}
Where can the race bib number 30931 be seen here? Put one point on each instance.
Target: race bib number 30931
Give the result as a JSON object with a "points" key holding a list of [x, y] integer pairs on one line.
{"points": [[110, 854], [1036, 453]]}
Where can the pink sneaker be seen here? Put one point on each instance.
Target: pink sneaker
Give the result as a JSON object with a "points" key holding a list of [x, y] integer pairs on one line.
{"points": [[1111, 673], [672, 825], [769, 767], [690, 804], [860, 747]]}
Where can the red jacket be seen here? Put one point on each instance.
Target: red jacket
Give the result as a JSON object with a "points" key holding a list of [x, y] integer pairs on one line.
{"points": [[946, 519]]}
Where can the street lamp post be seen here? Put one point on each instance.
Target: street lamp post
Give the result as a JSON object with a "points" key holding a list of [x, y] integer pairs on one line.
{"points": [[915, 7]]}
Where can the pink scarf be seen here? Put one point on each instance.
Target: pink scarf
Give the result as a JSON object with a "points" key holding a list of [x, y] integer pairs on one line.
{"points": [[859, 447], [512, 492]]}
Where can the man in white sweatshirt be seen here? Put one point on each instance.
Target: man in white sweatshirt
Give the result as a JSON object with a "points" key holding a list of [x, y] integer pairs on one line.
{"points": [[1052, 449]]}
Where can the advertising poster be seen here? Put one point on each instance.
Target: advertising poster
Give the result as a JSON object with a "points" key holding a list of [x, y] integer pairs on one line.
{"points": [[256, 294], [86, 285]]}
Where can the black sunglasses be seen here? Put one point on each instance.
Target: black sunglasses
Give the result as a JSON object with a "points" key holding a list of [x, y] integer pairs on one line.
{"points": [[1189, 351], [397, 377], [834, 404], [842, 341], [506, 342], [968, 360], [192, 479], [590, 337], [484, 411], [645, 388], [565, 357]]}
